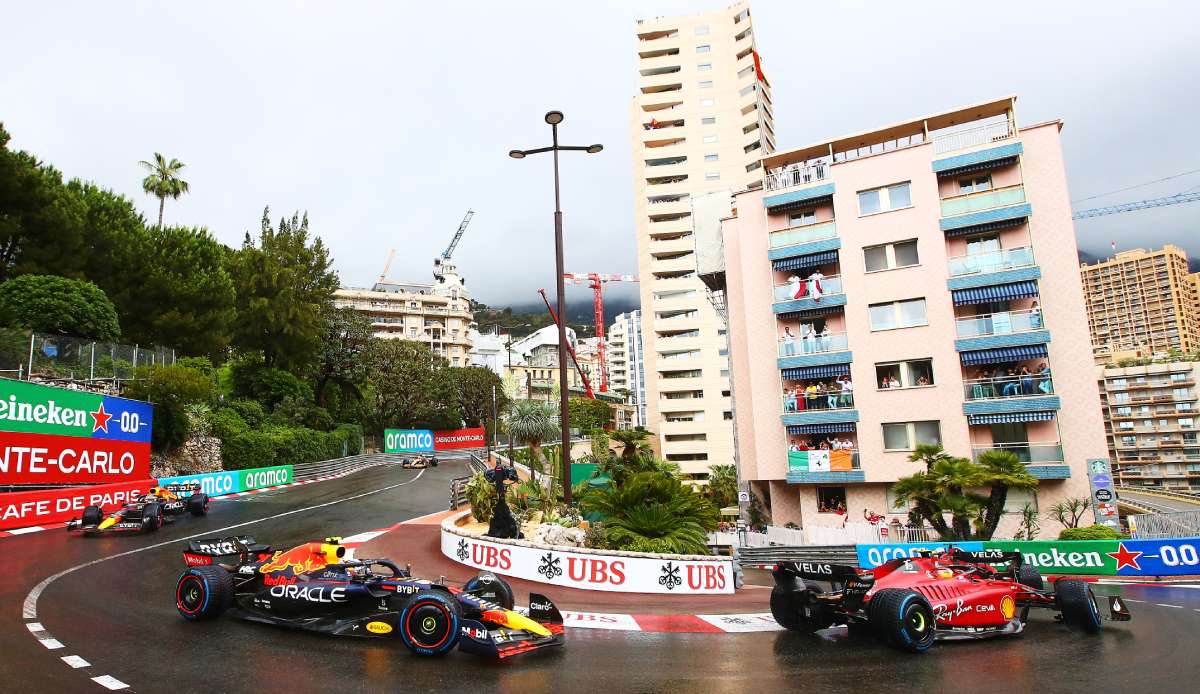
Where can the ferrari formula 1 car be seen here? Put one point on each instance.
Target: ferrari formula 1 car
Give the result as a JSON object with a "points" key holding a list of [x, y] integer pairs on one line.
{"points": [[315, 587], [148, 513], [910, 603]]}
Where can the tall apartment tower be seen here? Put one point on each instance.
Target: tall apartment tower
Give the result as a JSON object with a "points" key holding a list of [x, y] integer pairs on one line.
{"points": [[627, 364], [911, 284], [701, 120], [1141, 302]]}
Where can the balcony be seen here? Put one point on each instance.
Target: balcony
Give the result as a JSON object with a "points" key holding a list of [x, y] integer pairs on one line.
{"points": [[819, 344], [987, 134], [998, 208], [1009, 398], [836, 415], [1044, 460], [1007, 387], [993, 267], [824, 466], [801, 295], [803, 239], [1002, 323], [801, 181], [986, 200]]}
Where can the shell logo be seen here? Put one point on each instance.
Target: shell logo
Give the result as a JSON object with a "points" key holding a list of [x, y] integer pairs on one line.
{"points": [[379, 628], [1008, 607]]}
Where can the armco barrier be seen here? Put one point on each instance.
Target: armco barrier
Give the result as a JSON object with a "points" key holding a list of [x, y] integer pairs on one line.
{"points": [[233, 481], [26, 509], [1170, 557], [589, 569]]}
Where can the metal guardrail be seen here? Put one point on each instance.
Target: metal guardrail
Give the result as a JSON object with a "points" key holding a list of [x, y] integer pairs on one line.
{"points": [[321, 468], [458, 487], [1155, 526], [764, 556], [1194, 498]]}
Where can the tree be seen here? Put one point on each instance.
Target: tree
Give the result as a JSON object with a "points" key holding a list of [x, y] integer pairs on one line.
{"points": [[51, 304], [474, 388], [929, 454], [1000, 470], [723, 485], [951, 479], [163, 181], [587, 413], [171, 389], [532, 422], [408, 387], [342, 359], [284, 287], [633, 443], [1068, 512]]}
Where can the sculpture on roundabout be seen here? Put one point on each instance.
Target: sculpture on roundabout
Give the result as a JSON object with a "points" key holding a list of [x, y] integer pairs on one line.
{"points": [[503, 524]]}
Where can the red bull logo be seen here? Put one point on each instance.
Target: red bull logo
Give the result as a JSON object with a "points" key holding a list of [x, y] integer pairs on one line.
{"points": [[303, 559]]}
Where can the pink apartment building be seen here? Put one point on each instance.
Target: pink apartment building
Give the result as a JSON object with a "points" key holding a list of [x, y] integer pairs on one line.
{"points": [[932, 265]]}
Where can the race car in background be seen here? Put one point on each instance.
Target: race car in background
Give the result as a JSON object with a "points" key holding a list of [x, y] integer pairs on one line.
{"points": [[147, 514], [419, 462], [909, 603], [317, 588]]}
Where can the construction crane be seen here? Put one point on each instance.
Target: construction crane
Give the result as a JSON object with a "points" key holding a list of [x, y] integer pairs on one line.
{"points": [[1176, 199], [587, 384], [445, 256], [597, 281], [387, 266]]}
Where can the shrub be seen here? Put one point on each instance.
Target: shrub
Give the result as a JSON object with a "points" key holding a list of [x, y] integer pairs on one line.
{"points": [[525, 496], [1093, 532], [251, 379], [227, 423], [655, 506], [58, 305], [596, 536], [170, 388], [251, 412], [276, 445], [482, 496], [201, 364], [199, 419]]}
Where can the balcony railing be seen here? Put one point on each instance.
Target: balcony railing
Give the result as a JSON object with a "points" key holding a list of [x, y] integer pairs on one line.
{"points": [[816, 344], [804, 233], [809, 289], [1001, 323], [987, 200], [796, 175], [971, 137], [991, 261], [822, 400], [854, 459], [1008, 387], [1040, 452]]}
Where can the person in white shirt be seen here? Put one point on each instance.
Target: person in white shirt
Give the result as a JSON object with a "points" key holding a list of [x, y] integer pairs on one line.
{"points": [[789, 341], [814, 285]]}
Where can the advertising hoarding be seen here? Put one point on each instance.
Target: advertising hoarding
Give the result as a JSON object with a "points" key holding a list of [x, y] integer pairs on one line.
{"points": [[1170, 557], [407, 441], [26, 509], [452, 439], [233, 481]]}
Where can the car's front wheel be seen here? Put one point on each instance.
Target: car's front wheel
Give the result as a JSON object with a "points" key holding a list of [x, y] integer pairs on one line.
{"points": [[903, 618], [197, 504], [93, 515], [430, 622], [489, 586], [1078, 605], [203, 592], [152, 517]]}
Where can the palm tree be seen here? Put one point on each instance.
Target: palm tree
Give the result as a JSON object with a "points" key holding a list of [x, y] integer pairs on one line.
{"points": [[633, 442], [722, 484], [928, 453], [917, 490], [532, 422], [163, 181], [1001, 470], [951, 477]]}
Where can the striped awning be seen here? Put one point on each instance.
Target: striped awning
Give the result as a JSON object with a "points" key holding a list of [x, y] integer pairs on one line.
{"points": [[980, 166], [1009, 418], [839, 428], [1003, 355], [983, 228], [812, 312], [801, 373], [807, 260], [995, 292]]}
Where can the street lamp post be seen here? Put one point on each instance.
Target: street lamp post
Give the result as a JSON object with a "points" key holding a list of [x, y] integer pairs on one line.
{"points": [[554, 118]]}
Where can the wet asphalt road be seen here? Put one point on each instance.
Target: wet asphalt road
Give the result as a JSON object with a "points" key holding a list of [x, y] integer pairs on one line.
{"points": [[119, 615]]}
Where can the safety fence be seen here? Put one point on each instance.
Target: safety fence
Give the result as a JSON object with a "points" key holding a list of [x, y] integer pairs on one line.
{"points": [[1148, 526], [75, 361]]}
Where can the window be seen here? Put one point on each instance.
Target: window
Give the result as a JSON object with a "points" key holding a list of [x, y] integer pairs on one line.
{"points": [[1179, 377], [905, 436], [412, 332], [703, 49], [701, 29], [712, 176], [686, 457], [710, 157], [890, 256], [709, 101], [892, 505], [897, 314], [916, 373], [709, 120], [1185, 423], [884, 199], [831, 499], [728, 416], [974, 184], [706, 84], [686, 437], [1126, 425], [704, 67], [709, 139], [799, 219]]}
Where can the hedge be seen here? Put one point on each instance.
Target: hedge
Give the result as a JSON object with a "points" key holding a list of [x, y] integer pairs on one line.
{"points": [[1092, 532], [277, 445]]}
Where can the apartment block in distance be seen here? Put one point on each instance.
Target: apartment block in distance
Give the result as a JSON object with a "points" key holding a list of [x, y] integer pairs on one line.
{"points": [[1141, 303], [626, 362], [701, 120], [1150, 415], [911, 284]]}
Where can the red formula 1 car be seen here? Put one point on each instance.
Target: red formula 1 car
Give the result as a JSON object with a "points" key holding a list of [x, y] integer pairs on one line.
{"points": [[910, 603]]}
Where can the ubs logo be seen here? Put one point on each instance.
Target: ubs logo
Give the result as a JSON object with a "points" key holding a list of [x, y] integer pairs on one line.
{"points": [[670, 577], [550, 566]]}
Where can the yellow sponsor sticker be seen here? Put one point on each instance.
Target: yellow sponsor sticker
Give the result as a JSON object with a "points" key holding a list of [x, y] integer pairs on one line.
{"points": [[379, 627], [1008, 607]]}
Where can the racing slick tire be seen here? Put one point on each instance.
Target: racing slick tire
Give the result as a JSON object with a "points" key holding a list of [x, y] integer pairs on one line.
{"points": [[1028, 575], [431, 622], [796, 608], [1078, 605], [92, 515], [489, 586], [197, 504], [152, 517], [203, 592], [904, 618]]}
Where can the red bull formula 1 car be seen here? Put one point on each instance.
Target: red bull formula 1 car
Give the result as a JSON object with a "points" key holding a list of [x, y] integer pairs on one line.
{"points": [[909, 603], [315, 587], [148, 513]]}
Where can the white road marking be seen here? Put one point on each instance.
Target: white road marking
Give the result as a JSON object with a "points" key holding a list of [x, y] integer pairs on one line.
{"points": [[75, 661], [1178, 607], [110, 682], [35, 626], [52, 644], [22, 531], [1132, 600]]}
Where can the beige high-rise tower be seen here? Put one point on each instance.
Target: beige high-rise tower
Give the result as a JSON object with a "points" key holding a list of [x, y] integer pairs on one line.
{"points": [[701, 120]]}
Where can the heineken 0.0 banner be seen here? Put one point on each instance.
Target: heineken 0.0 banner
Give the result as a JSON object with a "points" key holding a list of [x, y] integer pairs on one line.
{"points": [[52, 435]]}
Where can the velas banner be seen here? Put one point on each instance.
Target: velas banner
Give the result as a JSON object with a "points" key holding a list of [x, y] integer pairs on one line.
{"points": [[49, 459], [407, 441], [232, 481], [1169, 557], [451, 439], [33, 408], [26, 509]]}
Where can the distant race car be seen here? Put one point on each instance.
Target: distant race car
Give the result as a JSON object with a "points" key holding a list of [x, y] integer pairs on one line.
{"points": [[315, 587], [147, 514], [909, 603], [419, 462]]}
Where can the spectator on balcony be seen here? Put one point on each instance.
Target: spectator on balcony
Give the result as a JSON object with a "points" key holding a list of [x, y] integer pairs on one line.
{"points": [[812, 396], [1043, 379], [810, 338], [823, 339], [1012, 384], [789, 400], [1035, 317], [824, 446], [847, 394], [797, 288], [1026, 381], [789, 341], [814, 285], [831, 395]]}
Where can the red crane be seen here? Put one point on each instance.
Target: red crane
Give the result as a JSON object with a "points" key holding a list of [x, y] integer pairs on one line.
{"points": [[596, 281]]}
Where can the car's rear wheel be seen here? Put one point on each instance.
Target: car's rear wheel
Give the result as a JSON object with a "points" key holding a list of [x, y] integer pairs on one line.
{"points": [[203, 592], [1028, 575], [93, 515], [1078, 605], [151, 517], [795, 607], [904, 618], [491, 587], [430, 622], [197, 504]]}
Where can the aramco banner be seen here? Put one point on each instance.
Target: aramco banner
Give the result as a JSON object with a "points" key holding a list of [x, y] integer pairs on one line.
{"points": [[1169, 557], [51, 435], [407, 441]]}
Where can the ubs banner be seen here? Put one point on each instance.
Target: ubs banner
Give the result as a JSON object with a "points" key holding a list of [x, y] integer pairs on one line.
{"points": [[52, 435]]}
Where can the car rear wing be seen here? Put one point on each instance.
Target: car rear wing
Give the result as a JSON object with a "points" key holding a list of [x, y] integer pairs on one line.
{"points": [[227, 552], [183, 488], [986, 556], [817, 570]]}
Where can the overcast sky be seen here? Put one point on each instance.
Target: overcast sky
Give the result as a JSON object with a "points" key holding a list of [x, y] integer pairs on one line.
{"points": [[387, 121]]}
